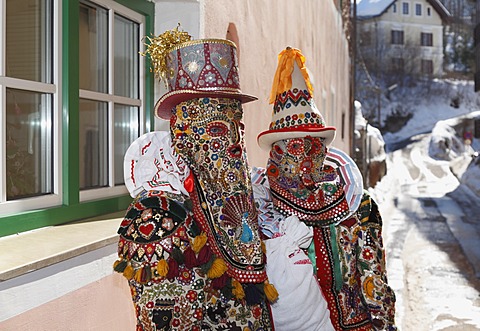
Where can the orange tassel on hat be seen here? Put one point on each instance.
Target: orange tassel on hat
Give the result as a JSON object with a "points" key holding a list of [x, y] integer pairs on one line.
{"points": [[282, 80]]}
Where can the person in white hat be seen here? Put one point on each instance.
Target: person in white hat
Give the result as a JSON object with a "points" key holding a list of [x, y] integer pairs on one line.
{"points": [[190, 244], [322, 187]]}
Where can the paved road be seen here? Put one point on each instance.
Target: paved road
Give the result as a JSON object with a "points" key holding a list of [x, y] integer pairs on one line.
{"points": [[428, 227]]}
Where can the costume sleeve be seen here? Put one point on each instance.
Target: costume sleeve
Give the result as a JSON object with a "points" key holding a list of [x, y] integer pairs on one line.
{"points": [[377, 294], [268, 218]]}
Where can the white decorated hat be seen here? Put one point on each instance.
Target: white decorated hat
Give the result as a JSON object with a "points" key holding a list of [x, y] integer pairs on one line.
{"points": [[294, 111]]}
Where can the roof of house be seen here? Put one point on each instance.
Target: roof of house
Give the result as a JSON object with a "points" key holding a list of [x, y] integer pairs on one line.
{"points": [[373, 8]]}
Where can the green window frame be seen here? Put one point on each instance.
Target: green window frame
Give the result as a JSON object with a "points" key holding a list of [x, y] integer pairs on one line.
{"points": [[61, 198]]}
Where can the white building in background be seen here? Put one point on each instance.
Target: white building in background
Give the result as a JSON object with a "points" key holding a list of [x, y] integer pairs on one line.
{"points": [[402, 35]]}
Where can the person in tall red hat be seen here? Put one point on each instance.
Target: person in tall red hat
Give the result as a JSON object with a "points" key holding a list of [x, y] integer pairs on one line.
{"points": [[190, 244], [321, 186]]}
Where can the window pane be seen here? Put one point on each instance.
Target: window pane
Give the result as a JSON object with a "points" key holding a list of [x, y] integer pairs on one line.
{"points": [[426, 39], [93, 47], [93, 144], [418, 9], [29, 40], [126, 57], [127, 129], [29, 144], [397, 37]]}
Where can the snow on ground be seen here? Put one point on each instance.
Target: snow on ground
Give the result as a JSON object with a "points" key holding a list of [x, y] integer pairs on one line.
{"points": [[429, 102], [445, 108]]}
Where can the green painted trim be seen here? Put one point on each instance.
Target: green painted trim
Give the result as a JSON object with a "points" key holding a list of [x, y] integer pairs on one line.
{"points": [[70, 97], [31, 220], [72, 209], [146, 8], [149, 79]]}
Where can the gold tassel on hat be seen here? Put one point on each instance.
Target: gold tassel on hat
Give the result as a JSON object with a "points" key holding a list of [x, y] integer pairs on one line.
{"points": [[283, 76], [158, 48]]}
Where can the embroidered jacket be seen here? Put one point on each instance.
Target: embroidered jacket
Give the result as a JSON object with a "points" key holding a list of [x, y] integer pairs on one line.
{"points": [[349, 262]]}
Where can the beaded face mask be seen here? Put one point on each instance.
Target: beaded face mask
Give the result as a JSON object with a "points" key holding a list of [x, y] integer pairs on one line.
{"points": [[301, 184], [209, 134], [296, 164]]}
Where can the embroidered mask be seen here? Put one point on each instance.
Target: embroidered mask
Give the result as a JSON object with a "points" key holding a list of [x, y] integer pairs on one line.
{"points": [[301, 184], [209, 134], [296, 164]]}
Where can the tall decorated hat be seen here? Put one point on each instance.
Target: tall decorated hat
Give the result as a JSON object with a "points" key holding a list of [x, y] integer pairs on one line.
{"points": [[295, 114], [194, 69]]}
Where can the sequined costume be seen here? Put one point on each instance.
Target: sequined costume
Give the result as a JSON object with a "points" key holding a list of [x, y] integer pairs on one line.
{"points": [[190, 243], [323, 188], [348, 259]]}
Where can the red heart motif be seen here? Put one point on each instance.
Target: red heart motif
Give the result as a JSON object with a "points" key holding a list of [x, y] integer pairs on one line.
{"points": [[146, 230], [188, 183]]}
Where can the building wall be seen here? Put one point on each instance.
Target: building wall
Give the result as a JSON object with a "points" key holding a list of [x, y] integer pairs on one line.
{"points": [[261, 29], [380, 28]]}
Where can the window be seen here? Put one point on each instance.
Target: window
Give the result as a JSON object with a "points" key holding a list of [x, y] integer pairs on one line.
{"points": [[109, 95], [72, 99], [429, 11], [397, 37], [426, 67], [394, 7], [418, 9], [426, 39], [405, 8]]}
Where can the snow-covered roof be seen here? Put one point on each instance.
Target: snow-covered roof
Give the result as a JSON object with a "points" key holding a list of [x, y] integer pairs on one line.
{"points": [[374, 8]]}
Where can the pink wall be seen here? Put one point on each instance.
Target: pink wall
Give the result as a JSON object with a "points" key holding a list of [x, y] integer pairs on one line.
{"points": [[104, 305], [264, 29]]}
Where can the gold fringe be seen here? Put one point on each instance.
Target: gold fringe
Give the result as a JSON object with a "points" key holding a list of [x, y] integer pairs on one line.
{"points": [[129, 272], [237, 290], [159, 46], [218, 268], [138, 275], [270, 292], [199, 242], [162, 268]]}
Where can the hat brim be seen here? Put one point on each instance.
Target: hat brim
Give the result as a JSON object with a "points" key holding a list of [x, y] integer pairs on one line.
{"points": [[164, 105], [267, 138]]}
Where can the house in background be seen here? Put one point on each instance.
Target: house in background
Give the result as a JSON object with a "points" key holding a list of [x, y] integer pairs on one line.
{"points": [[402, 36]]}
